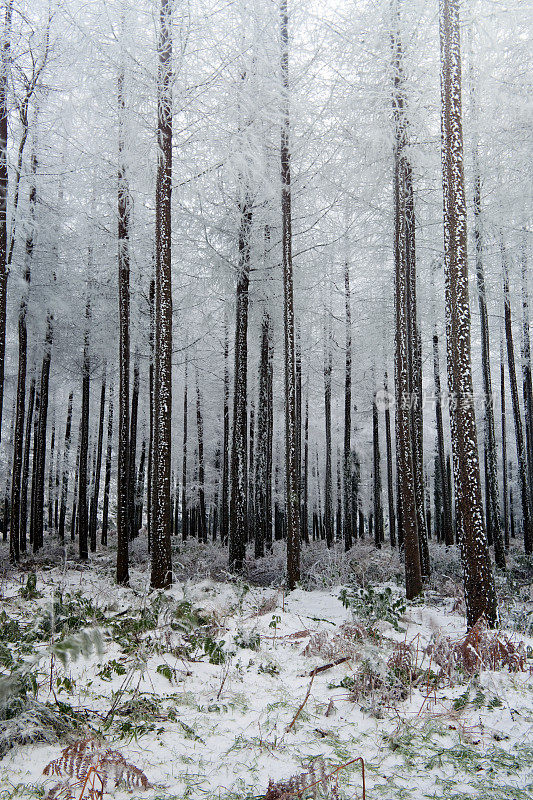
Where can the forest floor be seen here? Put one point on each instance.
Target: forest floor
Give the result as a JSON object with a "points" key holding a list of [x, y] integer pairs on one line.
{"points": [[219, 685]]}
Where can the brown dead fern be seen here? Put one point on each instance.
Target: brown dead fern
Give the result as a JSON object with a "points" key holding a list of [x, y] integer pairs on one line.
{"points": [[315, 783], [479, 649], [85, 768]]}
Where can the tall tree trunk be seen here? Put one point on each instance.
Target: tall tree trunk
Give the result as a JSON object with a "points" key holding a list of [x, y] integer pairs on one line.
{"points": [[184, 509], [132, 455], [224, 498], [251, 470], [328, 484], [84, 435], [527, 385], [408, 516], [525, 489], [26, 469], [4, 271], [22, 362], [494, 530], [139, 490], [443, 477], [109, 452], [238, 521], [93, 523], [161, 548], [123, 197], [66, 470], [74, 515], [202, 532], [51, 475], [261, 461], [41, 441], [291, 456], [34, 464], [376, 488], [480, 593], [347, 467], [149, 481], [390, 486], [305, 487]]}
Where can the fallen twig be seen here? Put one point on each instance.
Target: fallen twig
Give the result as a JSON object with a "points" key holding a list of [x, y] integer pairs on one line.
{"points": [[330, 666], [304, 700]]}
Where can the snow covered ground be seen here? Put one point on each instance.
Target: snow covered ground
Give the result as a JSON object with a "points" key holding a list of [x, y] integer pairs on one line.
{"points": [[203, 688]]}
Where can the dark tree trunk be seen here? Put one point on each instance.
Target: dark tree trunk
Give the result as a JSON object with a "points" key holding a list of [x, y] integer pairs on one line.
{"points": [[406, 462], [347, 467], [51, 476], [263, 512], [328, 485], [15, 535], [139, 490], [26, 469], [527, 385], [161, 547], [74, 516], [123, 199], [41, 442], [132, 454], [109, 452], [4, 271], [202, 519], [93, 523], [238, 521], [305, 488], [34, 464], [494, 530], [480, 593], [443, 476], [184, 509], [149, 481], [390, 486], [291, 436], [66, 470], [525, 489], [84, 437], [224, 499], [378, 509]]}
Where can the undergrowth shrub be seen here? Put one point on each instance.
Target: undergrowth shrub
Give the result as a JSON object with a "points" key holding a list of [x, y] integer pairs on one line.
{"points": [[374, 605]]}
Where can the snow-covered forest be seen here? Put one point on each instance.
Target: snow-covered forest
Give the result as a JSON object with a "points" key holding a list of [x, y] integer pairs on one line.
{"points": [[266, 404]]}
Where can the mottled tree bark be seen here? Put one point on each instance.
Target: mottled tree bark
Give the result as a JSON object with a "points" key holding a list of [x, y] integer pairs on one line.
{"points": [[161, 576], [480, 593], [4, 271], [408, 517], [291, 455], [123, 199], [224, 497], [238, 520]]}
